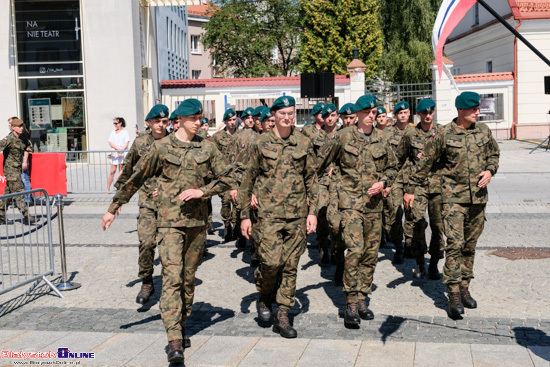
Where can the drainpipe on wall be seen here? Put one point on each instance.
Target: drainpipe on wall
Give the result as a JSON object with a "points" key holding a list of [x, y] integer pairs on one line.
{"points": [[514, 123]]}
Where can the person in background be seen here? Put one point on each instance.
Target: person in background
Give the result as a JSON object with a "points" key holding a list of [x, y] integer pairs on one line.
{"points": [[119, 141], [26, 164]]}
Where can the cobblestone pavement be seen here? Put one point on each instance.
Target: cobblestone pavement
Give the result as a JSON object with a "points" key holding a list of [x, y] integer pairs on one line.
{"points": [[512, 294]]}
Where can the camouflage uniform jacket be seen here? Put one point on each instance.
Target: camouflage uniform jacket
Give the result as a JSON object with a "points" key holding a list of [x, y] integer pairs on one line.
{"points": [[14, 149], [409, 151], [139, 148], [203, 134], [282, 172], [179, 166], [464, 154], [318, 139], [224, 142], [361, 162], [241, 152]]}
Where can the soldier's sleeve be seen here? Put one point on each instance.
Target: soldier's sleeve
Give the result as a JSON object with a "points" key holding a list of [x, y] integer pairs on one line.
{"points": [[432, 153], [493, 155], [392, 167], [128, 164], [4, 143], [248, 180], [401, 151], [223, 178], [148, 166], [311, 181], [328, 153]]}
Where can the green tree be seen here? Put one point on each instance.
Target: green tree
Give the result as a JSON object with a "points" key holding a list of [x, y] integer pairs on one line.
{"points": [[243, 34], [333, 28], [407, 27]]}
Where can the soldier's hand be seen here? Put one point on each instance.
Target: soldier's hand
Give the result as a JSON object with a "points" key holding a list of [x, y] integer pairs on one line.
{"points": [[253, 202], [191, 194], [118, 211], [24, 166], [485, 178], [155, 192], [386, 192], [246, 228], [311, 223], [408, 201], [108, 218], [376, 188], [233, 194]]}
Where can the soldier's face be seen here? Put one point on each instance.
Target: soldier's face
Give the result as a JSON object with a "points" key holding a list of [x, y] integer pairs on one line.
{"points": [[231, 122], [267, 124], [331, 119], [285, 117], [426, 117], [469, 115], [191, 124], [382, 119], [18, 130], [205, 127], [319, 119], [348, 120], [248, 122], [403, 116], [158, 126], [175, 124], [367, 116], [257, 123]]}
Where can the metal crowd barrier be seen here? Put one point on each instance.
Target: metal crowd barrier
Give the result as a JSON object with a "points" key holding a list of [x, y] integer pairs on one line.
{"points": [[26, 246]]}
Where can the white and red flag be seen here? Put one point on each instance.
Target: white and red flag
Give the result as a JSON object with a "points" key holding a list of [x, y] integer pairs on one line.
{"points": [[450, 13]]}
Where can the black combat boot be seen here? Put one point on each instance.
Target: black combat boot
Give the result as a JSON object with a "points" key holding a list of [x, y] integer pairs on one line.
{"points": [[351, 316], [264, 307], [420, 270], [281, 324], [455, 305], [175, 351], [29, 220], [227, 232], [147, 289], [398, 256], [466, 298], [186, 341], [433, 273], [364, 311]]}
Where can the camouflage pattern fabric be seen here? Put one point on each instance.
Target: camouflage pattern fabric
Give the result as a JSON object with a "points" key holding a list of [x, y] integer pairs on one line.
{"points": [[224, 142], [13, 149], [181, 250], [423, 199], [147, 233], [281, 243]]}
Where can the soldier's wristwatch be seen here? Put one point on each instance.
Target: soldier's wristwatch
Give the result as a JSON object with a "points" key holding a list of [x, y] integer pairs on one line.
{"points": [[385, 183]]}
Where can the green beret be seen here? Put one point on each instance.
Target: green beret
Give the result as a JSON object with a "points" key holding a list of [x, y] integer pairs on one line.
{"points": [[366, 102], [189, 107], [173, 116], [425, 105], [328, 109], [248, 112], [228, 114], [266, 113], [403, 105], [204, 120], [467, 100], [283, 102], [258, 111], [158, 112], [347, 109], [380, 110], [317, 108]]}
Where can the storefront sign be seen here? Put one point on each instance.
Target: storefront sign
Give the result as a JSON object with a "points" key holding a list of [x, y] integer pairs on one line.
{"points": [[39, 113]]}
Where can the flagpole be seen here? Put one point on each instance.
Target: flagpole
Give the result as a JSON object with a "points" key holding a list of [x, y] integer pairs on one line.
{"points": [[516, 33]]}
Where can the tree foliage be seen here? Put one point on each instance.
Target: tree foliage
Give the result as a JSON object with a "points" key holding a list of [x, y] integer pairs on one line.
{"points": [[332, 28], [242, 35], [407, 26]]}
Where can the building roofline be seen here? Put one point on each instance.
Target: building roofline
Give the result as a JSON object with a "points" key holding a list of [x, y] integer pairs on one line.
{"points": [[281, 81], [484, 77]]}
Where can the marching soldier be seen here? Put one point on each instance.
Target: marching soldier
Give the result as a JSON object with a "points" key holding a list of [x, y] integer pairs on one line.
{"points": [[469, 156], [310, 128], [395, 196], [282, 172], [427, 195], [348, 115], [381, 118], [157, 122], [224, 142], [366, 166], [256, 117], [182, 162]]}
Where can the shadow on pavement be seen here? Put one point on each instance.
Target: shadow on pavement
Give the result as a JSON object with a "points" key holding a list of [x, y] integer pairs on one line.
{"points": [[537, 341], [23, 299], [390, 326]]}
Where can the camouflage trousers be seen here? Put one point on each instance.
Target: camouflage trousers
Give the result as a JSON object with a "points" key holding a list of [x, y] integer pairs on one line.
{"points": [[209, 205], [147, 234], [256, 235], [463, 224], [228, 211], [393, 213], [361, 234], [180, 252], [14, 185], [322, 222], [282, 243], [419, 247]]}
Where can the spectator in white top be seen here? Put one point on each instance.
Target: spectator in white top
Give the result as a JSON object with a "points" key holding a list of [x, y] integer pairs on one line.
{"points": [[119, 141]]}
